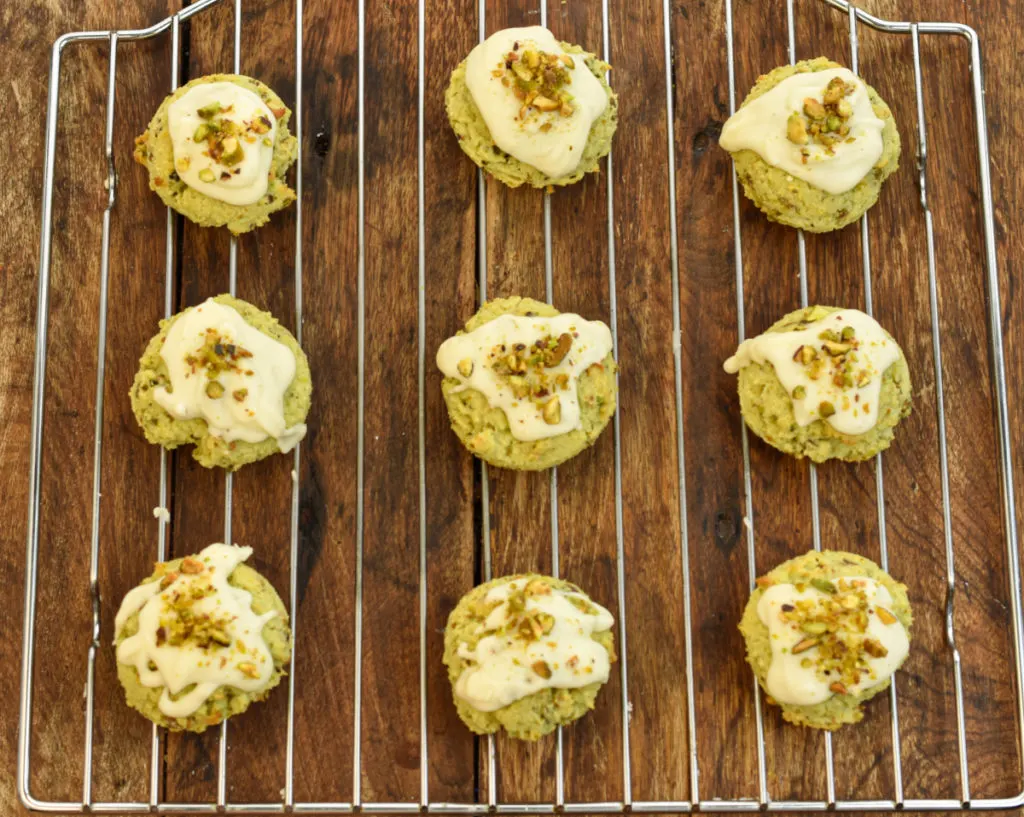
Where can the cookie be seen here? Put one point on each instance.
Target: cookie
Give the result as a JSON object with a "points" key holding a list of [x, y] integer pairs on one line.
{"points": [[527, 654], [526, 386], [217, 151], [824, 383], [531, 110], [812, 145], [201, 639], [226, 377], [824, 633]]}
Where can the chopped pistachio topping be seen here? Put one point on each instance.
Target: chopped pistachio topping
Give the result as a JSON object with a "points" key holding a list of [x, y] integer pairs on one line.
{"points": [[209, 111], [824, 585], [180, 624], [538, 79], [523, 624], [216, 355], [885, 616], [823, 122], [261, 124], [836, 359], [835, 626], [224, 137], [525, 369]]}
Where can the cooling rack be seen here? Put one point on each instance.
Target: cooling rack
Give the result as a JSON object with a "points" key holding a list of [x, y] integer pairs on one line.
{"points": [[488, 798]]}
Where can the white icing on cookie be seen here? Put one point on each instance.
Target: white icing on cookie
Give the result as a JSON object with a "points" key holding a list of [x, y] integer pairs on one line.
{"points": [[230, 161], [196, 632], [230, 374], [761, 125], [834, 365], [480, 360], [799, 673], [546, 140], [538, 637]]}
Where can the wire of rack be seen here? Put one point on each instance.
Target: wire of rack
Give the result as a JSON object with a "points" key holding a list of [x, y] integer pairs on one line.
{"points": [[490, 803]]}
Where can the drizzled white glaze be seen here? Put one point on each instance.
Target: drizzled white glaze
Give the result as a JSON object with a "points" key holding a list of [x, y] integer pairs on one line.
{"points": [[789, 682], [187, 665], [760, 126], [503, 669], [260, 414], [592, 342], [250, 183], [856, 408], [558, 151]]}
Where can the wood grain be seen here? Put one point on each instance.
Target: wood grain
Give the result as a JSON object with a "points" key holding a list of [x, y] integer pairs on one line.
{"points": [[390, 725], [650, 486], [520, 509], [452, 509], [325, 639]]}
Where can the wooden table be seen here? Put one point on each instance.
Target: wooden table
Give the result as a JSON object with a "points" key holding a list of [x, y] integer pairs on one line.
{"points": [[520, 520]]}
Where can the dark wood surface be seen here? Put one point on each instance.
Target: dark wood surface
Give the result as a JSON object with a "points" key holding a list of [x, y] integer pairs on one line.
{"points": [[656, 527]]}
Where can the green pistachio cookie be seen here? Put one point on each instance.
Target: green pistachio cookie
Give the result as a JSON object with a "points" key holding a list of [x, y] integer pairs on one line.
{"points": [[536, 714], [826, 569], [225, 700], [768, 410], [797, 203], [212, 451], [484, 429], [154, 150], [476, 142]]}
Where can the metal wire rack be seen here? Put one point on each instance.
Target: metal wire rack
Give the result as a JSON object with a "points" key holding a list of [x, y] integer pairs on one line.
{"points": [[488, 798]]}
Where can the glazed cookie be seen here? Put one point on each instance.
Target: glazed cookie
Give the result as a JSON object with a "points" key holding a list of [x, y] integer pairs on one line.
{"points": [[823, 383], [527, 653], [526, 386], [228, 378], [217, 150], [812, 144], [531, 110], [201, 639], [825, 632]]}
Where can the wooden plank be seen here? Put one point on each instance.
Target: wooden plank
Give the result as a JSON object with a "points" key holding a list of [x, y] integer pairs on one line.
{"points": [[586, 484], [981, 604], [262, 491], [724, 705], [325, 643], [64, 607], [23, 97], [900, 295], [996, 765], [647, 401], [520, 511], [18, 271], [390, 713], [450, 296], [190, 761]]}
